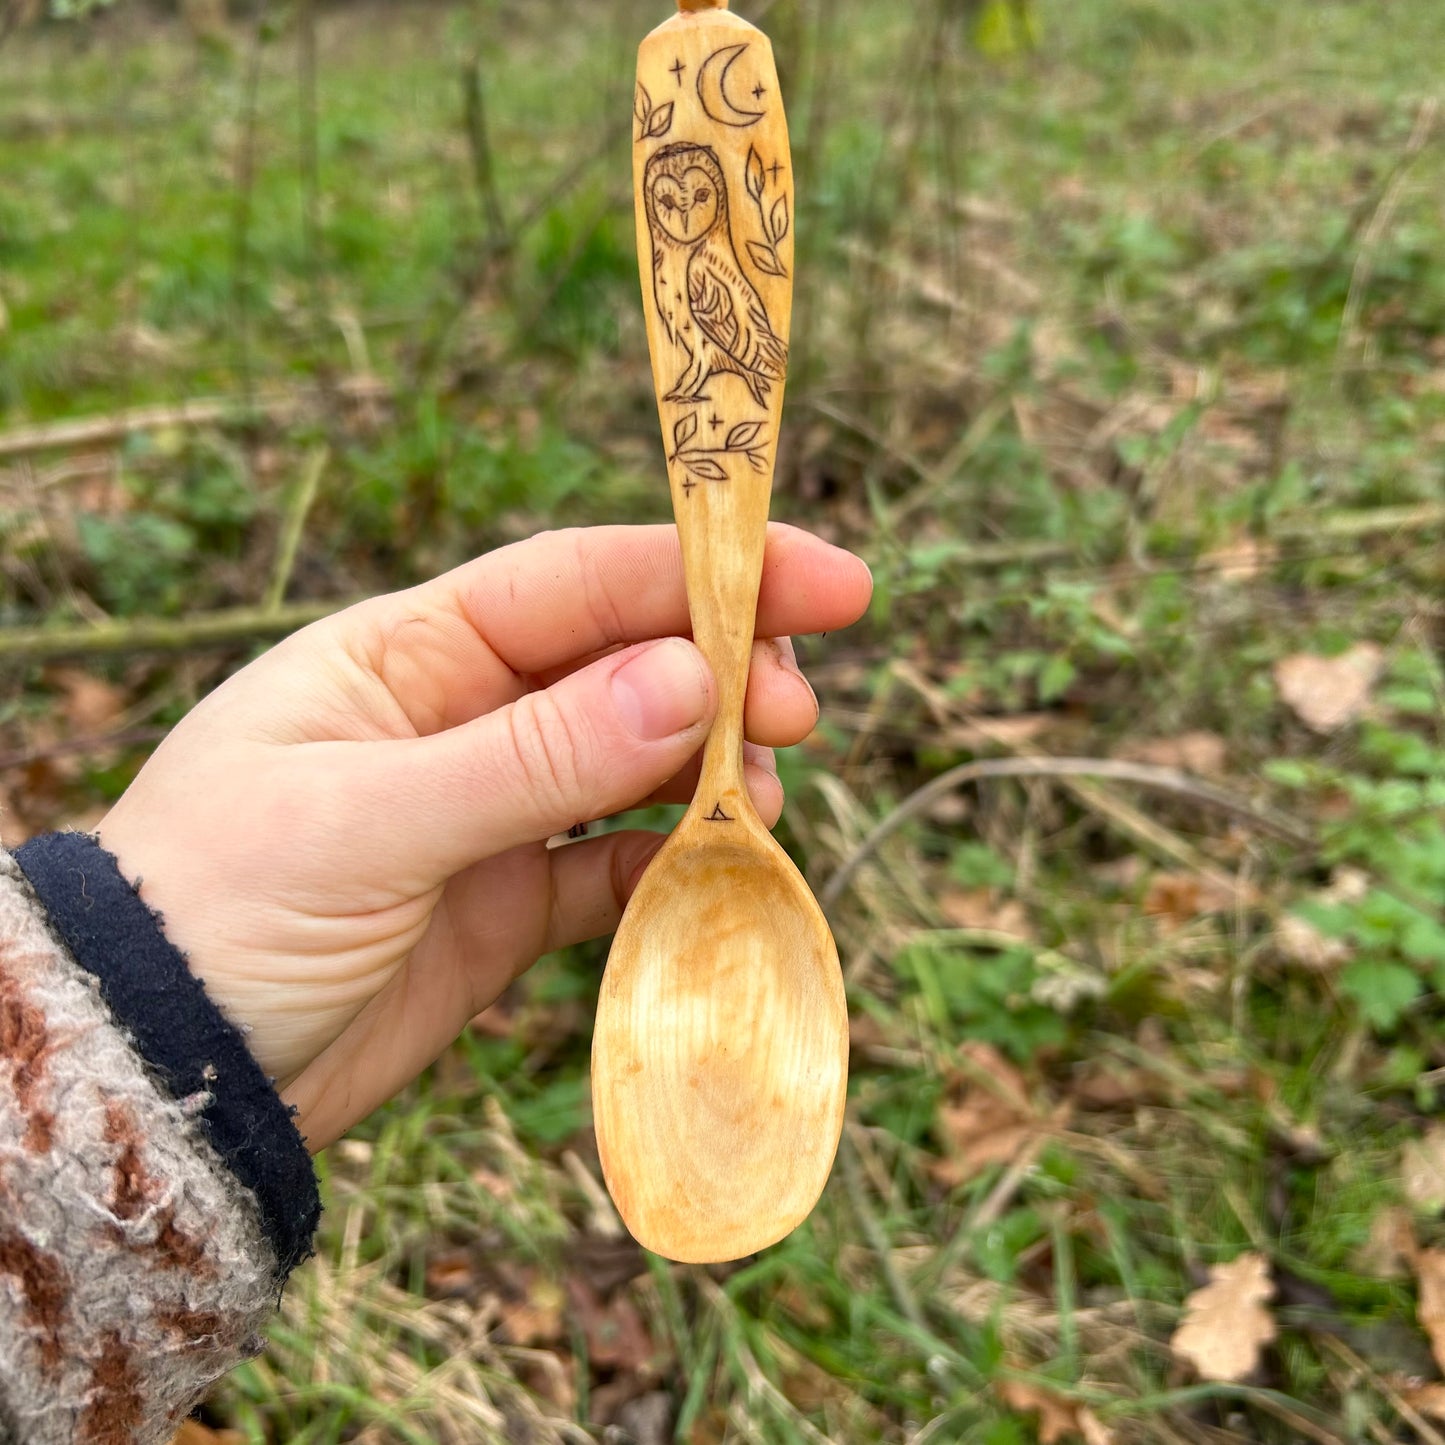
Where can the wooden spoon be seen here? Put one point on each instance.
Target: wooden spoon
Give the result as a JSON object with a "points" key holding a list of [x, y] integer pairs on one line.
{"points": [[719, 1066]]}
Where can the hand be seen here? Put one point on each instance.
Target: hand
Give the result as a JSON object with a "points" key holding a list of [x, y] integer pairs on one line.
{"points": [[348, 838]]}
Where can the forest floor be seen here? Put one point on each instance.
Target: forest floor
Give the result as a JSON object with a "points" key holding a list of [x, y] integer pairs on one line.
{"points": [[1122, 359]]}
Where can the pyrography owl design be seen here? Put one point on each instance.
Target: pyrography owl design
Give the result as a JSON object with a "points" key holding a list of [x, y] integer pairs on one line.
{"points": [[707, 304]]}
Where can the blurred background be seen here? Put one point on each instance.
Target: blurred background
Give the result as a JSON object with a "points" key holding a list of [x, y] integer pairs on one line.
{"points": [[1120, 354]]}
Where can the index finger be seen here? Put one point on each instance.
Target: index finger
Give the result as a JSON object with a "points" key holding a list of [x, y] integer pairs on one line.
{"points": [[556, 597]]}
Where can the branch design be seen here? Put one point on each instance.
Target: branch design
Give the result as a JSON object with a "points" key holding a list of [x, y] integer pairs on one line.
{"points": [[653, 122], [741, 440], [774, 221]]}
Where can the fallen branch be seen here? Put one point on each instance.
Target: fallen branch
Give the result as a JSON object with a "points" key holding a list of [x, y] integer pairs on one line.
{"points": [[162, 634], [69, 747], [1144, 775], [293, 525], [199, 411]]}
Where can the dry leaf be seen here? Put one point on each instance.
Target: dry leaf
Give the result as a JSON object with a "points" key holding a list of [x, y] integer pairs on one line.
{"points": [[88, 703], [617, 1338], [1059, 1418], [536, 1319], [1430, 1311], [1325, 693], [1226, 1323], [13, 829], [985, 1117], [1178, 898], [1298, 940], [1390, 1249], [1241, 560], [1422, 1169], [1428, 1399], [1193, 752], [452, 1274], [192, 1432], [983, 909]]}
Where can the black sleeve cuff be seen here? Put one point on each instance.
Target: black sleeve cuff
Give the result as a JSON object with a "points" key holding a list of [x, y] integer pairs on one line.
{"points": [[183, 1036]]}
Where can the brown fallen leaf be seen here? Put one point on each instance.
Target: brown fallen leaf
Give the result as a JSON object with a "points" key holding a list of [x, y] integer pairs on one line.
{"points": [[1422, 1170], [1428, 1399], [1179, 898], [88, 703], [984, 909], [1192, 752], [1241, 560], [1325, 693], [536, 1319], [192, 1432], [1430, 1311], [984, 1118], [1226, 1324], [1299, 941], [1390, 1248], [617, 1338], [1059, 1418]]}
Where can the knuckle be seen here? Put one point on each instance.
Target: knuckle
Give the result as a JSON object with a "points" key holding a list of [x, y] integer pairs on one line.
{"points": [[551, 752], [602, 604]]}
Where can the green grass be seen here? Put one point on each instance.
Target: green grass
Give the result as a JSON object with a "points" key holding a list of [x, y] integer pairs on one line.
{"points": [[1101, 354]]}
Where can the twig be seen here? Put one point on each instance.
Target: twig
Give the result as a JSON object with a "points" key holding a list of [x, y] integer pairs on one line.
{"points": [[483, 172], [1364, 268], [1145, 775], [308, 117], [245, 185], [112, 429], [162, 634], [69, 747], [293, 526], [1402, 1406]]}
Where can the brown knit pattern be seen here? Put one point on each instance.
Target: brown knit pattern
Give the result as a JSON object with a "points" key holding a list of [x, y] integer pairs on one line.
{"points": [[133, 1268]]}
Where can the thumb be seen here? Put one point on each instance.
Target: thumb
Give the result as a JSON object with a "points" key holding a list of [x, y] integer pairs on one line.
{"points": [[592, 744]]}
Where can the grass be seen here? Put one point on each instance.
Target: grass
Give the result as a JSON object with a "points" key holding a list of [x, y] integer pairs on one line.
{"points": [[1109, 356]]}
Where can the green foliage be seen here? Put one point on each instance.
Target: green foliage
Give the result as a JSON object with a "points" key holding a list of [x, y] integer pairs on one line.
{"points": [[981, 994]]}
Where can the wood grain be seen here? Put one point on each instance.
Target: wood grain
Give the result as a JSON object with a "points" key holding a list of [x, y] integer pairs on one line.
{"points": [[719, 1063]]}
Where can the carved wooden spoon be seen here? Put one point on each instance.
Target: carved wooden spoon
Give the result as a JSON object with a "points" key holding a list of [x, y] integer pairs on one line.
{"points": [[719, 1065]]}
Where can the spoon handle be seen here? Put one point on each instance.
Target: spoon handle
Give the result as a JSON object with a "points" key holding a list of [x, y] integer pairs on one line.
{"points": [[714, 186]]}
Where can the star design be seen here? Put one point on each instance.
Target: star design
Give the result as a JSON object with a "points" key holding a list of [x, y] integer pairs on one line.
{"points": [[715, 422], [773, 170], [760, 92]]}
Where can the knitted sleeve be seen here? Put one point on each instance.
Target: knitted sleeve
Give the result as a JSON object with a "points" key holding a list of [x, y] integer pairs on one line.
{"points": [[154, 1193]]}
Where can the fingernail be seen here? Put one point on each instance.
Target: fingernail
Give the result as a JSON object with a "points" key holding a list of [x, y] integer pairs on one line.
{"points": [[661, 691]]}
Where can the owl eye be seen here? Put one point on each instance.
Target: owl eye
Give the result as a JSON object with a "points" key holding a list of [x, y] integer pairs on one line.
{"points": [[667, 203], [701, 196]]}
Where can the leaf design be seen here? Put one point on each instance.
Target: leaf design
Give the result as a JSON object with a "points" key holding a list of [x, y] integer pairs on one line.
{"points": [[642, 105], [765, 259], [741, 435], [755, 174], [706, 468], [779, 220], [685, 430], [661, 121]]}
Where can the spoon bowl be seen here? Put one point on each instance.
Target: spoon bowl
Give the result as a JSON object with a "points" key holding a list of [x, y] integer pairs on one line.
{"points": [[720, 1055]]}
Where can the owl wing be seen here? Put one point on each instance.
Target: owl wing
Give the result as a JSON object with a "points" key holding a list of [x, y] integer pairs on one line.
{"points": [[730, 312], [661, 283]]}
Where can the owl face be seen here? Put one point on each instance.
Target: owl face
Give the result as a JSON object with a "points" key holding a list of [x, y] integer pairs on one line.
{"points": [[684, 190]]}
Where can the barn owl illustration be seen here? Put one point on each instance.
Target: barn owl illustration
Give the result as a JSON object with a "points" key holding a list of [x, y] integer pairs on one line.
{"points": [[707, 304]]}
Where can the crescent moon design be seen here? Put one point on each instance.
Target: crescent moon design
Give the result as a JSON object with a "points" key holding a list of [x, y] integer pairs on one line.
{"points": [[712, 91]]}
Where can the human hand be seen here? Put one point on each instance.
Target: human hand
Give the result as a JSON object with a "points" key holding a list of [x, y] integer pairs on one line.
{"points": [[348, 838]]}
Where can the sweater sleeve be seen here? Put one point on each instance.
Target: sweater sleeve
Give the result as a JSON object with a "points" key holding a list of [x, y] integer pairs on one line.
{"points": [[154, 1193]]}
